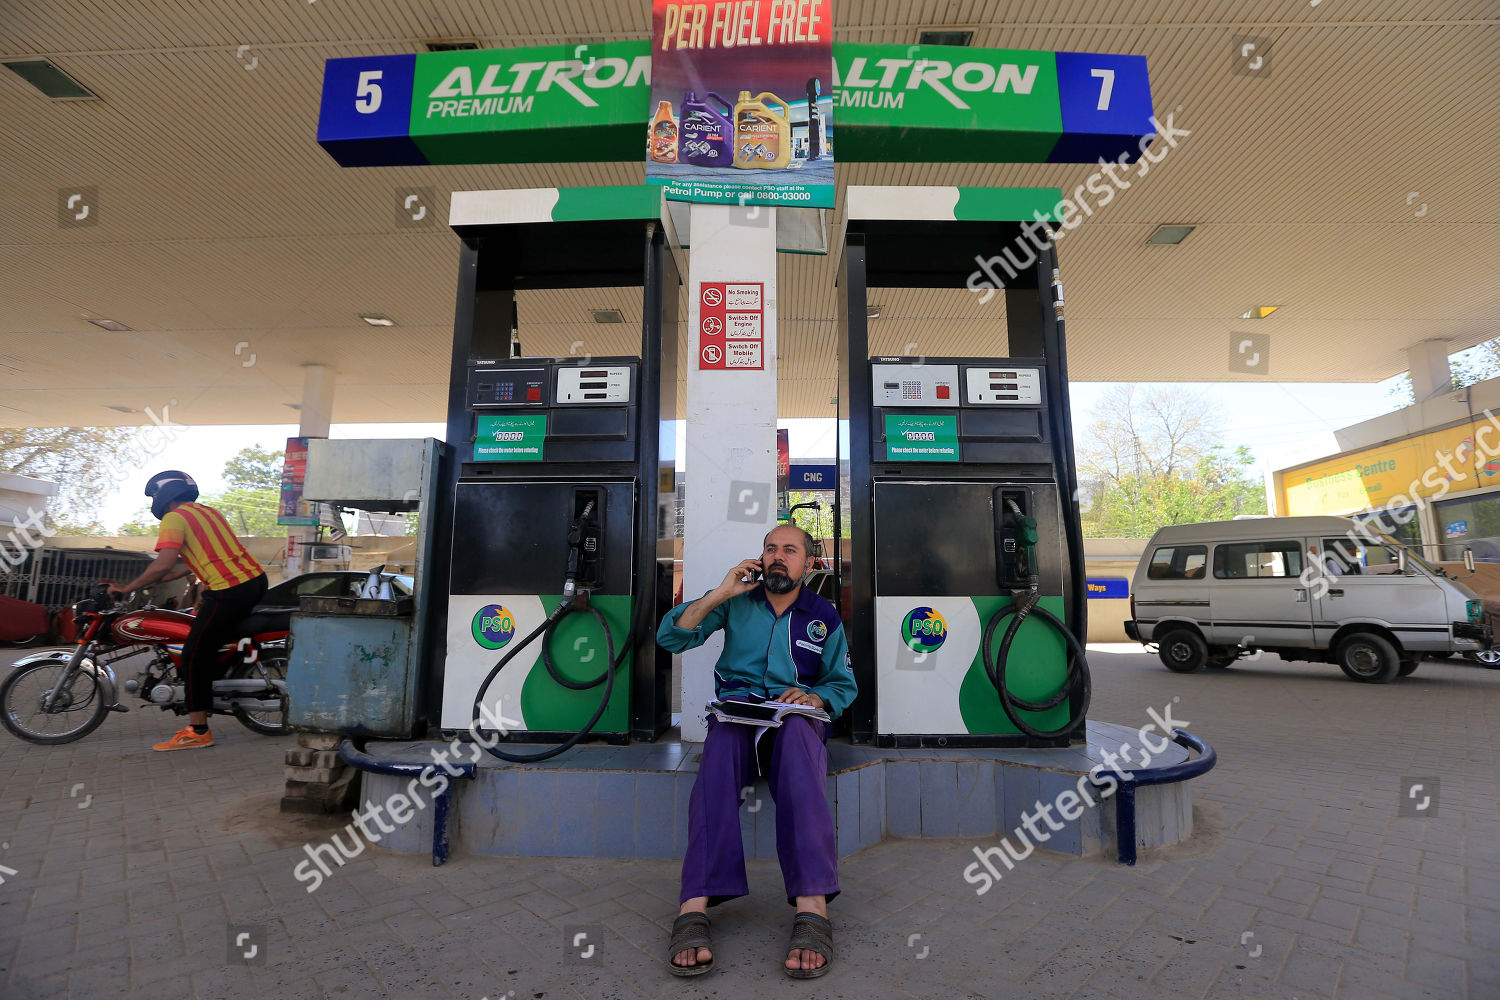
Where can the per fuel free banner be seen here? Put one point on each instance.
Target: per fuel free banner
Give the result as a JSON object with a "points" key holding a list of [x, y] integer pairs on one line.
{"points": [[741, 111]]}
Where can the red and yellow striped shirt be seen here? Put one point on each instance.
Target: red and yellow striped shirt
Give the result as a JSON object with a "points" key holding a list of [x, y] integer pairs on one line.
{"points": [[213, 553]]}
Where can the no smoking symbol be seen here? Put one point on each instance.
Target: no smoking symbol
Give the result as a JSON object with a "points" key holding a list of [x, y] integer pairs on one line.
{"points": [[712, 354], [713, 326], [712, 296]]}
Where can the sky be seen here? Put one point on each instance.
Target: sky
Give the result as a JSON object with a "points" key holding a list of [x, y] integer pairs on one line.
{"points": [[1279, 422]]}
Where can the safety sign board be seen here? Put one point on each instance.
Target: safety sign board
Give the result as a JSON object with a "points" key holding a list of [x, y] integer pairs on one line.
{"points": [[731, 318]]}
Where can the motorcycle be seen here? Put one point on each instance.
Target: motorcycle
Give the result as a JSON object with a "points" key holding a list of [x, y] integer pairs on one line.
{"points": [[57, 696]]}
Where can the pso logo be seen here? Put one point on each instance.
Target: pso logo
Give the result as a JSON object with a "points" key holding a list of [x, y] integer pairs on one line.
{"points": [[924, 630], [817, 631], [494, 626]]}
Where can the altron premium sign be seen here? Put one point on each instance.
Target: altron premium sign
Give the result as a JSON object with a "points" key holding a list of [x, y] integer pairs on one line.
{"points": [[914, 103]]}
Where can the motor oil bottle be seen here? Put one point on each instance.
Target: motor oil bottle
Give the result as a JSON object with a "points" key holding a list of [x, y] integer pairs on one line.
{"points": [[662, 139], [762, 137], [706, 134]]}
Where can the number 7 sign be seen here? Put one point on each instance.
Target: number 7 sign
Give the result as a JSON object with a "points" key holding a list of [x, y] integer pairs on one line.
{"points": [[1103, 97]]}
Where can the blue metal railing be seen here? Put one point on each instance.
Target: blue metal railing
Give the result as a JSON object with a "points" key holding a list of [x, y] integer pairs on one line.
{"points": [[352, 752], [1129, 781]]}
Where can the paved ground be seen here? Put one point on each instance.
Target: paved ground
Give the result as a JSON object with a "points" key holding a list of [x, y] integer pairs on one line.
{"points": [[134, 869]]}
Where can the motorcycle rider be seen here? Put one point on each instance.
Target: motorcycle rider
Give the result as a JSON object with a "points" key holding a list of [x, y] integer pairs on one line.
{"points": [[232, 580]]}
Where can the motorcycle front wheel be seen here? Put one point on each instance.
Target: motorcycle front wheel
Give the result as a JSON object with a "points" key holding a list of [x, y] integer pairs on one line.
{"points": [[265, 723], [77, 708]]}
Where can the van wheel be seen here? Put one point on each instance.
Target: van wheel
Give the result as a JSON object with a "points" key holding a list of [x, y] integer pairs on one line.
{"points": [[1182, 651], [1408, 667], [1369, 659], [1222, 656]]}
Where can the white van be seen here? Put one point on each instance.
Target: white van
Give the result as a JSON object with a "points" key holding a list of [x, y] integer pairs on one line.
{"points": [[1306, 588]]}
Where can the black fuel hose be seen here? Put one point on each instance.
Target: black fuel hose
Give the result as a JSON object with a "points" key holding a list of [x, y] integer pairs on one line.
{"points": [[545, 630], [1076, 680]]}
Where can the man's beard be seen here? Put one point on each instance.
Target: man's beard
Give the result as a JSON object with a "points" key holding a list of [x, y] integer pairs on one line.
{"points": [[777, 582]]}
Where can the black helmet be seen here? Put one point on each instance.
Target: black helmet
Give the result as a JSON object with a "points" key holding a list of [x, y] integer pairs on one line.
{"points": [[167, 488]]}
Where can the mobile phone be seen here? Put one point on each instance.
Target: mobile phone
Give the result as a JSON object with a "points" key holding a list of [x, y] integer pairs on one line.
{"points": [[754, 577]]}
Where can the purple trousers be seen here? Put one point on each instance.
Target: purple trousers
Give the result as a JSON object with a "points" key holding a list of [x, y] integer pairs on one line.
{"points": [[714, 865]]}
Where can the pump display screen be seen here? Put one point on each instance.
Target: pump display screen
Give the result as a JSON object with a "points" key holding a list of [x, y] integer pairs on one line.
{"points": [[604, 384], [1002, 386]]}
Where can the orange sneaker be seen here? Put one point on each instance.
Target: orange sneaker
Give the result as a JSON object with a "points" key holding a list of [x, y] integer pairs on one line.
{"points": [[185, 739]]}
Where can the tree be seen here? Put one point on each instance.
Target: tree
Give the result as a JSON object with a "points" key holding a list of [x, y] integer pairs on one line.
{"points": [[1477, 366], [249, 511], [1153, 457], [86, 462], [254, 469], [71, 527], [818, 523], [141, 524], [1217, 489], [251, 502], [1147, 432]]}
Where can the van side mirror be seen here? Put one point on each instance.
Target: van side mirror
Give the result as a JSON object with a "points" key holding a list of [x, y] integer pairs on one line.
{"points": [[1468, 559], [1401, 560]]}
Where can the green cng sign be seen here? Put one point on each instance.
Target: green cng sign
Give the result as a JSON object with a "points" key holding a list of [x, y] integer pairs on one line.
{"points": [[571, 103], [911, 437], [510, 437]]}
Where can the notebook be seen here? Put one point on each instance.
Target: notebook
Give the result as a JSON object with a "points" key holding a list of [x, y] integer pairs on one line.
{"points": [[766, 714]]}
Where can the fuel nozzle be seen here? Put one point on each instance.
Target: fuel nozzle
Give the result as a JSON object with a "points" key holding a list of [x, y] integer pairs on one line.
{"points": [[580, 538], [1024, 538]]}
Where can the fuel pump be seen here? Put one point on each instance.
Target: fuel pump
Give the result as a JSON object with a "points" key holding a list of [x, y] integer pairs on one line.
{"points": [[555, 575], [965, 607]]}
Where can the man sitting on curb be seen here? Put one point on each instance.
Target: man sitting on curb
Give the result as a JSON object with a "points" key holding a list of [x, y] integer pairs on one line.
{"points": [[782, 642]]}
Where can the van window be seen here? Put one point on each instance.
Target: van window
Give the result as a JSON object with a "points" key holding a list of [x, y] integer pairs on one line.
{"points": [[1252, 560], [1178, 562], [1348, 557]]}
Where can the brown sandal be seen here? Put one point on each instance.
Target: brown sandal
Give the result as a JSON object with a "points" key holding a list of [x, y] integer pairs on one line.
{"points": [[811, 932], [690, 930]]}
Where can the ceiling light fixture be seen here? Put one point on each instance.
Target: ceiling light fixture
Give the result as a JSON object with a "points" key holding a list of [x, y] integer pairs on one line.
{"points": [[872, 312], [607, 316], [377, 319], [51, 81], [122, 409], [1258, 312], [1169, 235], [451, 45], [112, 325], [945, 36]]}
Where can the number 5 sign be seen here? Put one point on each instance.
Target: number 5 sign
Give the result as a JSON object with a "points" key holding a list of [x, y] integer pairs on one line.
{"points": [[368, 98]]}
